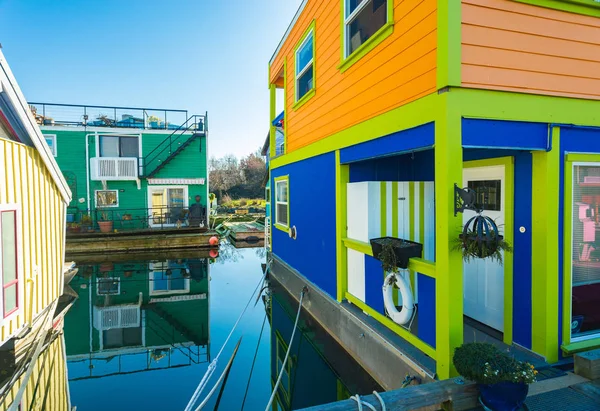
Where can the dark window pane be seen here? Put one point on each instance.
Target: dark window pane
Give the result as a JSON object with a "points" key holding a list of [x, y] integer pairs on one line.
{"points": [[352, 5], [488, 192], [305, 83], [282, 217], [367, 23], [129, 147], [305, 54], [109, 146]]}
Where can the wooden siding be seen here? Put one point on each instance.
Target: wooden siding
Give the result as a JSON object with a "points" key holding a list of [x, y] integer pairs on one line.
{"points": [[400, 69], [47, 386], [24, 180], [518, 47]]}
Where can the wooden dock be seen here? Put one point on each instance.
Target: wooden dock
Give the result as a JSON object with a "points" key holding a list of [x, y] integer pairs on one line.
{"points": [[249, 232]]}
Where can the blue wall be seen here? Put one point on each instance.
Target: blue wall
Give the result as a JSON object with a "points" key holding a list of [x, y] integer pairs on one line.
{"points": [[504, 134], [418, 166], [312, 211]]}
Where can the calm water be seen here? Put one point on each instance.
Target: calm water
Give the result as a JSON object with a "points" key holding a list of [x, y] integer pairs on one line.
{"points": [[186, 306]]}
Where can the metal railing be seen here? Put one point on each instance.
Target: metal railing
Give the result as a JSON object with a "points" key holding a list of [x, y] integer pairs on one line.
{"points": [[114, 168], [132, 219], [75, 115], [160, 153]]}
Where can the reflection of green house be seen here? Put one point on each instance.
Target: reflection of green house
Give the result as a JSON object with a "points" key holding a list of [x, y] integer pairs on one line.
{"points": [[149, 314]]}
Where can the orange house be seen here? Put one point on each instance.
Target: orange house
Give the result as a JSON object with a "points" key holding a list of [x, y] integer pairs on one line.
{"points": [[389, 108]]}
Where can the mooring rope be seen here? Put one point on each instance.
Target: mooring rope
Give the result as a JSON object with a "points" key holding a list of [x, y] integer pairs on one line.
{"points": [[287, 354], [254, 360], [362, 402], [213, 365]]}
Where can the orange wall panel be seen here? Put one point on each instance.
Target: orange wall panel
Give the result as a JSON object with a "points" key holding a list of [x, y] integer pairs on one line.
{"points": [[397, 71], [513, 46]]}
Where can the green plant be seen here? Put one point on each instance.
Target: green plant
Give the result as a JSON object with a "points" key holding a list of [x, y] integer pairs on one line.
{"points": [[86, 220], [473, 246], [387, 256], [104, 216], [483, 363], [243, 203]]}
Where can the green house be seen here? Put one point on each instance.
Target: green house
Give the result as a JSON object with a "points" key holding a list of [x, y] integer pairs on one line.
{"points": [[136, 316], [134, 168]]}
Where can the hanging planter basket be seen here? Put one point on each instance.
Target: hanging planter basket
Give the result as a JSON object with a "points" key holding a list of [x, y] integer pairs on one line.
{"points": [[403, 250], [480, 239]]}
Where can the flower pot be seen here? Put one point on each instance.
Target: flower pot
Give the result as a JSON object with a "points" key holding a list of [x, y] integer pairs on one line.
{"points": [[503, 396], [105, 226], [485, 246], [403, 249]]}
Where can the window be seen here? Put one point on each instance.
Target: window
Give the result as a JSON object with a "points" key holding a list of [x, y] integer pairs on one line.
{"points": [[305, 68], [107, 198], [286, 383], [9, 264], [119, 146], [488, 194], [282, 210], [585, 256], [169, 278], [51, 141], [109, 286]]}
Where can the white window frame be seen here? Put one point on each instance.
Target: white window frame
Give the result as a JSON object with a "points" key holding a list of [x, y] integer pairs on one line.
{"points": [[105, 206], [309, 66], [151, 189], [53, 149], [113, 279], [348, 19], [139, 137], [287, 203], [160, 266], [20, 278]]}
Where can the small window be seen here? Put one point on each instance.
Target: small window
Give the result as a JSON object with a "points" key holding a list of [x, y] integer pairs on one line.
{"points": [[51, 141], [9, 268], [169, 278], [119, 146], [109, 286], [107, 198], [305, 68], [281, 202], [488, 194], [362, 19]]}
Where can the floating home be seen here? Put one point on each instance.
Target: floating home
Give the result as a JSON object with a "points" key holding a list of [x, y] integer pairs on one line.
{"points": [[129, 168], [33, 204], [395, 109]]}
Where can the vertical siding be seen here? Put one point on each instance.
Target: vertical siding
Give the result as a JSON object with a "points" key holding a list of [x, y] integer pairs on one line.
{"points": [[518, 47], [25, 181], [400, 69]]}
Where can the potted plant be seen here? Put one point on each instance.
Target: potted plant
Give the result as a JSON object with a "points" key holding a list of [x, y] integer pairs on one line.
{"points": [[502, 380], [105, 224], [396, 252], [86, 222], [480, 239], [73, 227]]}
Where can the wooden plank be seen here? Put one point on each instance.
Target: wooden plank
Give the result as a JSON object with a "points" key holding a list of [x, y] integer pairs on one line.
{"points": [[416, 397]]}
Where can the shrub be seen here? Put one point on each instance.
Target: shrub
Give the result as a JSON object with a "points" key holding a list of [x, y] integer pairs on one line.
{"points": [[226, 199], [243, 203], [483, 363]]}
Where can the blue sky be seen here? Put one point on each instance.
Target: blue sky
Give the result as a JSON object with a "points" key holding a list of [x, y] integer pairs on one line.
{"points": [[199, 55]]}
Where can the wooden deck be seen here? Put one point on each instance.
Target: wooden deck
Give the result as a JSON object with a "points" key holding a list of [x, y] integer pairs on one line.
{"points": [[245, 231]]}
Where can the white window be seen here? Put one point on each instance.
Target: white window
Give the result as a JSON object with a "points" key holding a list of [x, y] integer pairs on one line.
{"points": [[281, 202], [305, 72], [362, 19], [9, 261], [107, 198], [109, 286], [169, 277], [119, 146], [51, 141]]}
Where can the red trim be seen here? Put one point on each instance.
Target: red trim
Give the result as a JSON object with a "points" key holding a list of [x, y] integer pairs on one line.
{"points": [[6, 124], [16, 280]]}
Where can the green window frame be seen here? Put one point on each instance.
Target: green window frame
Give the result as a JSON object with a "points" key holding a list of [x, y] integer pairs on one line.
{"points": [[308, 38], [348, 57], [585, 7], [282, 202]]}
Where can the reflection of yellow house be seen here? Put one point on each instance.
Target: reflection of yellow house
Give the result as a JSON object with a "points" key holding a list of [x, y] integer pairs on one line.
{"points": [[46, 387]]}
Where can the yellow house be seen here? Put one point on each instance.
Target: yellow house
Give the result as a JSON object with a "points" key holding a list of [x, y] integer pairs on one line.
{"points": [[33, 200]]}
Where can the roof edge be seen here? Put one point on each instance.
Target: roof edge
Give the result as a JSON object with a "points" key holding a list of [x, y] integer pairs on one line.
{"points": [[288, 31]]}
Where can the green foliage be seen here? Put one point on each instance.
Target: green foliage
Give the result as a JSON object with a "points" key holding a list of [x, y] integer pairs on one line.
{"points": [[483, 363], [86, 220], [387, 256], [243, 203], [472, 247]]}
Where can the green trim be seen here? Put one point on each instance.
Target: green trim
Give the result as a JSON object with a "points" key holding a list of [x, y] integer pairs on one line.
{"points": [[579, 346], [582, 158], [383, 208], [449, 47], [272, 115], [301, 101], [401, 331], [285, 146], [509, 207], [359, 246], [585, 7], [395, 209], [422, 214], [342, 177], [385, 31], [282, 227], [411, 227]]}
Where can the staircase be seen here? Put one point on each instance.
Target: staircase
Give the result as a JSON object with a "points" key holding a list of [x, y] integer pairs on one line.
{"points": [[174, 144], [180, 328]]}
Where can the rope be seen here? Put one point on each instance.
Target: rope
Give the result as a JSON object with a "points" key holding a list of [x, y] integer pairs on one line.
{"points": [[361, 402], [287, 354], [375, 393], [254, 360], [213, 365]]}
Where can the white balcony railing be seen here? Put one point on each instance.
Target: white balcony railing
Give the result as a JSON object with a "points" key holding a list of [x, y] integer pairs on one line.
{"points": [[114, 168], [118, 316]]}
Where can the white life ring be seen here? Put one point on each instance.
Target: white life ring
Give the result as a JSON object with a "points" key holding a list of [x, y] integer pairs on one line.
{"points": [[408, 306]]}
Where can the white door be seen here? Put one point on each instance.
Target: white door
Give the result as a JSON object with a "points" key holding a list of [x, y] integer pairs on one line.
{"points": [[483, 286]]}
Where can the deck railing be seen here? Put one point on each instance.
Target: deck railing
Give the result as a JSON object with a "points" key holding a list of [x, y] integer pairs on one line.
{"points": [[114, 168]]}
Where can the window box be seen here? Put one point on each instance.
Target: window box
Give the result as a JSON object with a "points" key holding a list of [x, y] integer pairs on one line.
{"points": [[403, 249]]}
